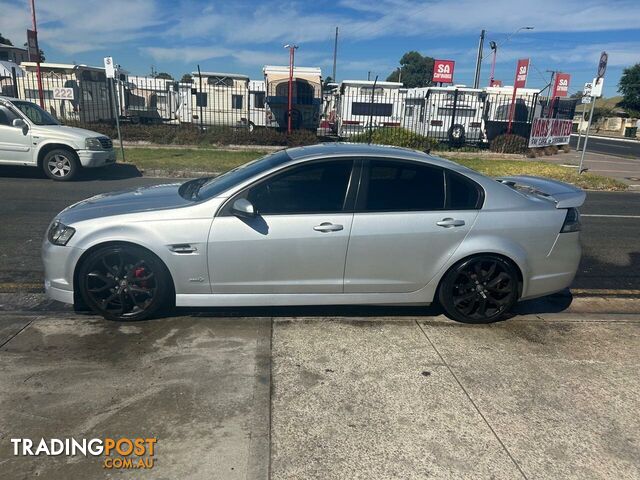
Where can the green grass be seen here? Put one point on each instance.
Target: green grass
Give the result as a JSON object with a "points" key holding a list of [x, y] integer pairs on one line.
{"points": [[218, 161]]}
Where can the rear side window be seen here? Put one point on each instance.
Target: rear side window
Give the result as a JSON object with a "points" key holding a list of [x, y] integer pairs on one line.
{"points": [[404, 186], [463, 193]]}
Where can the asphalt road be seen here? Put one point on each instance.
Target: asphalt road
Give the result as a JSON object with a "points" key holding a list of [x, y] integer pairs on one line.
{"points": [[611, 227], [610, 147]]}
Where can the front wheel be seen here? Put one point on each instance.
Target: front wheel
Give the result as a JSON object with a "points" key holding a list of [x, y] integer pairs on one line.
{"points": [[61, 164], [124, 283], [481, 289]]}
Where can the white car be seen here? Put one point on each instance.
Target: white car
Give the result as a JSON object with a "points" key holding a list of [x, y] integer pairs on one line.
{"points": [[32, 137]]}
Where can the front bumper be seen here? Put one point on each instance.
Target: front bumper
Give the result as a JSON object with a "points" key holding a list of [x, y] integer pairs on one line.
{"points": [[96, 158], [59, 264]]}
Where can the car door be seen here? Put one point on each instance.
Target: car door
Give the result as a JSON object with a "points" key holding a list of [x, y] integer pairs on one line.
{"points": [[410, 217], [15, 142], [297, 242]]}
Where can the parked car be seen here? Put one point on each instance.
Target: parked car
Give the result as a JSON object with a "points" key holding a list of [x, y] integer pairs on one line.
{"points": [[325, 224], [32, 137]]}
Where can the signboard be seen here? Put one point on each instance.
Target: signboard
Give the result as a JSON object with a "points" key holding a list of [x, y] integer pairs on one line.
{"points": [[596, 87], [32, 46], [109, 67], [521, 73], [443, 71], [550, 131], [63, 93], [602, 65], [586, 99], [561, 85]]}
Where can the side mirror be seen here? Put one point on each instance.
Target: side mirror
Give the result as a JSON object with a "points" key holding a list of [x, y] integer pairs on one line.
{"points": [[19, 123], [243, 208]]}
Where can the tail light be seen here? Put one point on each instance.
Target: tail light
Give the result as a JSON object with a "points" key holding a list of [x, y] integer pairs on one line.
{"points": [[436, 123], [571, 221]]}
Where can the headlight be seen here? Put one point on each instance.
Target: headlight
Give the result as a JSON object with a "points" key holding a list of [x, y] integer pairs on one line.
{"points": [[60, 234], [93, 144]]}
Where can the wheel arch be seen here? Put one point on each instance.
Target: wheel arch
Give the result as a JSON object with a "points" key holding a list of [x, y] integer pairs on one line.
{"points": [[77, 298], [46, 148]]}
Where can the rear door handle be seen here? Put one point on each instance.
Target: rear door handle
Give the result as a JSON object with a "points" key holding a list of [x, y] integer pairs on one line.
{"points": [[328, 227], [450, 222]]}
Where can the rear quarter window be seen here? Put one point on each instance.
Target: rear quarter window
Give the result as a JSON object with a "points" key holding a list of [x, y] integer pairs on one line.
{"points": [[463, 193]]}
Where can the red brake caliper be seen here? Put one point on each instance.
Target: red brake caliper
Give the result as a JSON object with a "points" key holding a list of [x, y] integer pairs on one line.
{"points": [[139, 273]]}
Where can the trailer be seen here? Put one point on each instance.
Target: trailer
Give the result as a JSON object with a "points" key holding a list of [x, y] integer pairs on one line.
{"points": [[148, 99], [360, 106], [258, 109], [215, 99], [306, 98]]}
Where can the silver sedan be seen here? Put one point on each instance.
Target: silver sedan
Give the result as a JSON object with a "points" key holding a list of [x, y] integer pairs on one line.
{"points": [[330, 224]]}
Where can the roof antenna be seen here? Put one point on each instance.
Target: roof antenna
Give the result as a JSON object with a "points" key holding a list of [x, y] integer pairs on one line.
{"points": [[373, 91]]}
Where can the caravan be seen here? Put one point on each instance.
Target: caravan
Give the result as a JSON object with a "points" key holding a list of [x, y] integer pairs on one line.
{"points": [[215, 99], [306, 97], [360, 106], [148, 100]]}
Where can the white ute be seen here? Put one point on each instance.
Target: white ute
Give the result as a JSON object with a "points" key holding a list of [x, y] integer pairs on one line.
{"points": [[32, 137]]}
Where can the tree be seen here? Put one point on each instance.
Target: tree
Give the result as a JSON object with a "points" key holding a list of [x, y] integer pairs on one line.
{"points": [[417, 70], [5, 40], [629, 87], [163, 76], [186, 78]]}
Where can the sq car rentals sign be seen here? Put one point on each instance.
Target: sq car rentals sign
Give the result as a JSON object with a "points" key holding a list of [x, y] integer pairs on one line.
{"points": [[550, 131], [443, 71]]}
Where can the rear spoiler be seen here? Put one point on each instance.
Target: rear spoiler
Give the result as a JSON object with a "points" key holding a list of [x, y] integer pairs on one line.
{"points": [[563, 194]]}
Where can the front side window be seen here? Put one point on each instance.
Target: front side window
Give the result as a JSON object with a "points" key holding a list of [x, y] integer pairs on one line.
{"points": [[319, 187], [34, 113], [404, 186], [7, 116]]}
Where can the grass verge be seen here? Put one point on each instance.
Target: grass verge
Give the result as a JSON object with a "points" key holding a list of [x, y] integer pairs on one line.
{"points": [[217, 161]]}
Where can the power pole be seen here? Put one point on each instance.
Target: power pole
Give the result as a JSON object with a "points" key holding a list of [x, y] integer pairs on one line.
{"points": [[35, 35], [335, 55], [476, 81]]}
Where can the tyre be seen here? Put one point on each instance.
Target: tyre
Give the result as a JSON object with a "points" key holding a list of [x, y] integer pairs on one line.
{"points": [[456, 135], [124, 283], [61, 164], [480, 289]]}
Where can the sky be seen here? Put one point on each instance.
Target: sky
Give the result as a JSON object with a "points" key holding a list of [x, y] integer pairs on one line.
{"points": [[241, 36]]}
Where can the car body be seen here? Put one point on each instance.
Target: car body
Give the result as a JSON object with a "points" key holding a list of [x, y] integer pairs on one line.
{"points": [[30, 136], [325, 224]]}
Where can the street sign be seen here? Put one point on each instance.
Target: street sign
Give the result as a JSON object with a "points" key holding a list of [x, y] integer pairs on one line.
{"points": [[521, 73], [602, 65], [586, 91], [596, 88], [109, 67], [586, 99], [443, 71], [561, 85]]}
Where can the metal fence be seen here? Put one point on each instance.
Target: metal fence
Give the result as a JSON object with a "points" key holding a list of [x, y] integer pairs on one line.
{"points": [[418, 118]]}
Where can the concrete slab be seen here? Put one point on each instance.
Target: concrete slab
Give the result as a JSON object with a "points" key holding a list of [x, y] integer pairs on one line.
{"points": [[561, 391], [198, 384], [356, 398]]}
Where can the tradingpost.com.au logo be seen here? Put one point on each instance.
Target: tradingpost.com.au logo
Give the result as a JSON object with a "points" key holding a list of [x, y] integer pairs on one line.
{"points": [[120, 453]]}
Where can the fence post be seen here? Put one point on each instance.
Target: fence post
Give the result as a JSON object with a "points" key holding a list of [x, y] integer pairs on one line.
{"points": [[373, 91], [14, 79], [200, 96]]}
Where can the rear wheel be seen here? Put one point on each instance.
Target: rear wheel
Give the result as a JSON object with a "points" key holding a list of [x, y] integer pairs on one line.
{"points": [[125, 283], [61, 164], [481, 289]]}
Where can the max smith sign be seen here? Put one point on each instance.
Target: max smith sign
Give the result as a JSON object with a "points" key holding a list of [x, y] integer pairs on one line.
{"points": [[549, 131]]}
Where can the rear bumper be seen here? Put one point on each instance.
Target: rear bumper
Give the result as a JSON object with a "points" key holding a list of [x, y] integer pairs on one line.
{"points": [[96, 158], [556, 271]]}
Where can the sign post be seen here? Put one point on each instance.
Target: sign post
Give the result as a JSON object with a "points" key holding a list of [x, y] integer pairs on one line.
{"points": [[443, 71], [521, 80], [34, 51], [596, 91], [110, 71], [586, 99]]}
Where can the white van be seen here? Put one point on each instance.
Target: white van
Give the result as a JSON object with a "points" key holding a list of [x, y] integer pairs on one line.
{"points": [[32, 137]]}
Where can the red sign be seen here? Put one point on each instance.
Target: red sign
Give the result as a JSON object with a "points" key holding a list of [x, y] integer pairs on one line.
{"points": [[521, 73], [561, 85], [32, 45], [443, 71]]}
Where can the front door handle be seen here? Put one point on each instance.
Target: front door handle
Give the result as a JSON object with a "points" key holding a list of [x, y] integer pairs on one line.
{"points": [[450, 222], [328, 227]]}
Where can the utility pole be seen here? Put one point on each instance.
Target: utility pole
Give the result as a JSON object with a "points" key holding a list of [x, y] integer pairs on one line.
{"points": [[35, 35], [476, 81], [335, 55]]}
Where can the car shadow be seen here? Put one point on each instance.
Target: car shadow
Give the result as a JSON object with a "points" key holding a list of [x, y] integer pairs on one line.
{"points": [[117, 171]]}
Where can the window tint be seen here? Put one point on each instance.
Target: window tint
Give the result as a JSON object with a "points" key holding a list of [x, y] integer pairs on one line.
{"points": [[462, 193], [314, 188], [404, 186]]}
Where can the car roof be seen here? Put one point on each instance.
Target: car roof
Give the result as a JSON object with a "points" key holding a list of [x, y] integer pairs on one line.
{"points": [[364, 149]]}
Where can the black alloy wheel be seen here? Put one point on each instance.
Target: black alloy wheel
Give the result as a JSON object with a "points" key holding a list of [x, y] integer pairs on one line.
{"points": [[124, 283], [481, 289]]}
